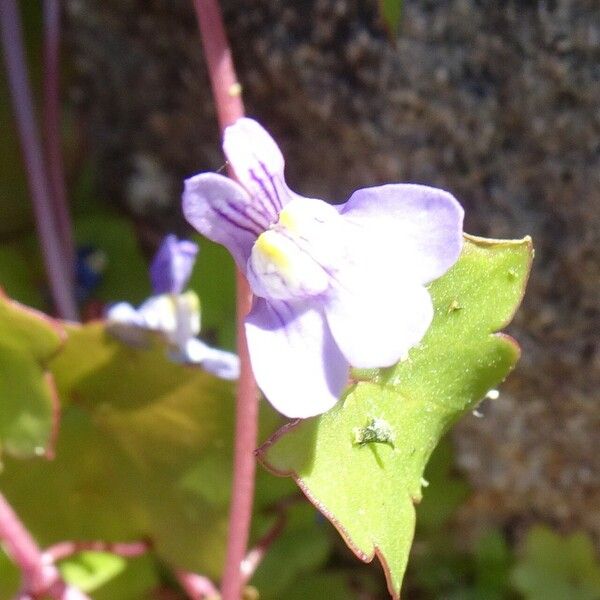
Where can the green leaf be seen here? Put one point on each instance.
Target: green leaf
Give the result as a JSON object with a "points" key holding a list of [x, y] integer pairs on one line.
{"points": [[557, 568], [134, 583], [145, 451], [9, 576], [88, 571], [213, 279], [28, 402], [303, 547], [391, 11], [368, 491], [16, 278]]}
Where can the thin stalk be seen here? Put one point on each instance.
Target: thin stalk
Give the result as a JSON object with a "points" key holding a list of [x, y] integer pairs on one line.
{"points": [[52, 129], [40, 577], [227, 95], [56, 265], [197, 587]]}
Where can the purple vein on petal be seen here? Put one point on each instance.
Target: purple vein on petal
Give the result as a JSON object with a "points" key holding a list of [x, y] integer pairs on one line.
{"points": [[227, 217], [272, 180], [247, 211], [272, 209]]}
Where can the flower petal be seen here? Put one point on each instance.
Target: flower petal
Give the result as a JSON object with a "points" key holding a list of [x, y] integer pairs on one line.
{"points": [[415, 228], [294, 358], [220, 209], [225, 365], [375, 321], [258, 164], [172, 265]]}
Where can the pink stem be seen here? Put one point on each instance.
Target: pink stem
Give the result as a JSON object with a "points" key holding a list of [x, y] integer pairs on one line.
{"points": [[197, 587], [16, 66], [63, 550], [40, 576], [52, 130], [227, 95]]}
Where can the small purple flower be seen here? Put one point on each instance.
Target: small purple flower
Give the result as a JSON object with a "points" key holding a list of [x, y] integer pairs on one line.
{"points": [[172, 265], [172, 313], [334, 285]]}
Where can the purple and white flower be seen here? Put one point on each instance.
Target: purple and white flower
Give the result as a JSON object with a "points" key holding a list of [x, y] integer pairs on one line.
{"points": [[172, 313], [334, 285]]}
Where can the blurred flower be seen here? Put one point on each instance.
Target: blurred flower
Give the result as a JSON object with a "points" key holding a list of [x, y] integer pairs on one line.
{"points": [[335, 285], [171, 313]]}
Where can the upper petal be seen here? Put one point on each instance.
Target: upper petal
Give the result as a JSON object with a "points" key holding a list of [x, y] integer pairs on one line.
{"points": [[415, 229], [294, 358], [172, 265], [221, 210], [376, 320], [258, 164]]}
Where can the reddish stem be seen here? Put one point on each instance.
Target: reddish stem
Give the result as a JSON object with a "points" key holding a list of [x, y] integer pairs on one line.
{"points": [[227, 95], [256, 554], [16, 66], [40, 576], [52, 129], [63, 550]]}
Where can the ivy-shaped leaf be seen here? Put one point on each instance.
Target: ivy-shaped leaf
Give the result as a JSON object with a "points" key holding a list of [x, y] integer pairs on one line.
{"points": [[144, 452], [28, 401], [554, 567], [362, 463]]}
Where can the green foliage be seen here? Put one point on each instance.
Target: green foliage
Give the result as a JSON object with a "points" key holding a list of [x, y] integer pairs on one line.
{"points": [[126, 274], [16, 277], [557, 568], [144, 452], [391, 11], [28, 400], [369, 491], [9, 577], [88, 571], [213, 279], [304, 547], [444, 492]]}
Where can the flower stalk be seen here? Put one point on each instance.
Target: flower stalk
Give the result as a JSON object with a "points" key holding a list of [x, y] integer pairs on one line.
{"points": [[40, 577], [52, 129], [56, 263], [229, 106]]}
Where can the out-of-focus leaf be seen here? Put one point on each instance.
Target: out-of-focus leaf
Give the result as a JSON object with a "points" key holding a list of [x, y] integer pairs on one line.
{"points": [[145, 451], [444, 493], [334, 585], [135, 582], [303, 547], [17, 279], [88, 571], [492, 566], [391, 11], [557, 568], [9, 577], [368, 491], [213, 279], [125, 276], [28, 402]]}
